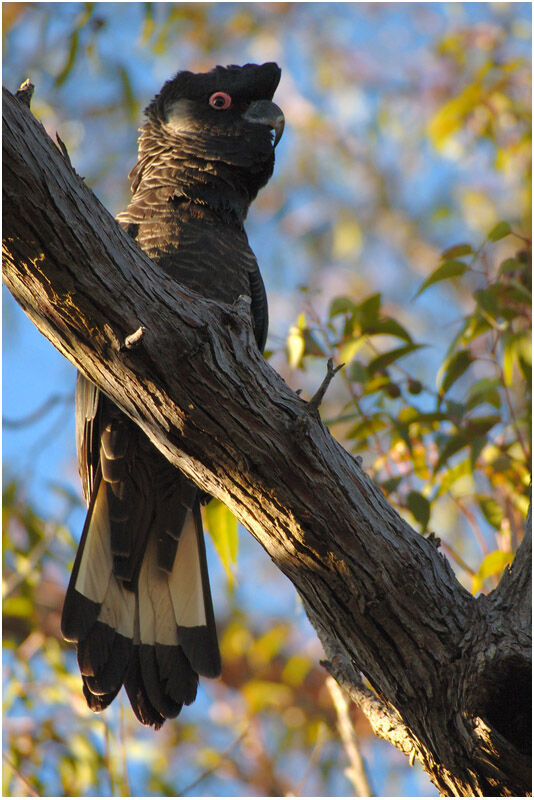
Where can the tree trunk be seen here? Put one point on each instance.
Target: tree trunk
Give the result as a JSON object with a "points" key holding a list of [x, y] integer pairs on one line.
{"points": [[450, 673]]}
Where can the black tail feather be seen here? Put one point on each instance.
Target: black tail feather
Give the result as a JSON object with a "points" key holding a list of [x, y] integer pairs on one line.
{"points": [[137, 694], [166, 705], [98, 702], [176, 674], [103, 658]]}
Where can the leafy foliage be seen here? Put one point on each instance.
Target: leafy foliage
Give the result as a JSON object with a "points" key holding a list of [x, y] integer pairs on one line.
{"points": [[468, 438]]}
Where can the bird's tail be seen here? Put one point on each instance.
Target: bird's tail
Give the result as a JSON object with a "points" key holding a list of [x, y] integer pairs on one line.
{"points": [[144, 618]]}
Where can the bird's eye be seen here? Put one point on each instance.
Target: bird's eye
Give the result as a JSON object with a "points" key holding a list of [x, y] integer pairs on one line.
{"points": [[220, 101]]}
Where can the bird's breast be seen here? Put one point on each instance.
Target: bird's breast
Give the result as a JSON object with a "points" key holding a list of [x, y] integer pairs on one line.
{"points": [[212, 259]]}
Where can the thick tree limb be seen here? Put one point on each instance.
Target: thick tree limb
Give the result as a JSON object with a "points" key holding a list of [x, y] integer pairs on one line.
{"points": [[189, 373]]}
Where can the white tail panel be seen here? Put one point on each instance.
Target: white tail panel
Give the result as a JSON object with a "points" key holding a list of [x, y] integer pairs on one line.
{"points": [[96, 564], [185, 580]]}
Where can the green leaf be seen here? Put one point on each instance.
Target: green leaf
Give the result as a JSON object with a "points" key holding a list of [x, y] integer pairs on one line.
{"points": [[366, 427], [71, 58], [148, 23], [479, 426], [493, 564], [385, 359], [452, 369], [340, 305], [222, 527], [420, 508], [375, 384], [517, 350], [526, 368], [367, 311], [430, 419], [74, 39], [387, 326], [311, 346], [456, 251], [484, 391], [391, 484], [462, 470], [475, 325], [509, 265], [491, 510], [499, 231], [451, 445], [357, 372], [129, 98], [498, 301], [450, 269]]}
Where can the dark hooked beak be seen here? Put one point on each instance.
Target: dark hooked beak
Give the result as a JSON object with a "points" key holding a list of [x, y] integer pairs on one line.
{"points": [[263, 112]]}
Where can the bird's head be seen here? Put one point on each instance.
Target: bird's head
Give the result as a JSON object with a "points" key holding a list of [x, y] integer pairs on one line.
{"points": [[218, 128]]}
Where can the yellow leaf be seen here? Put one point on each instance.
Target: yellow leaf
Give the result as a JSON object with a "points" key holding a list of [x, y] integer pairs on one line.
{"points": [[235, 642], [420, 461], [222, 527], [493, 564], [349, 350], [296, 345], [451, 116], [296, 670], [269, 645], [348, 239], [262, 694]]}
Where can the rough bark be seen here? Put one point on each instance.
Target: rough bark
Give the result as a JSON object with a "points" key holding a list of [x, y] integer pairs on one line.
{"points": [[450, 673]]}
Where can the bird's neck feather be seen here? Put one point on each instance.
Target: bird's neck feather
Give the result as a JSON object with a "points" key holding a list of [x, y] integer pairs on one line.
{"points": [[178, 168]]}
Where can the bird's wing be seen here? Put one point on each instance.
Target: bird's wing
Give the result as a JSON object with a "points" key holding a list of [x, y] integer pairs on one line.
{"points": [[87, 432], [259, 308]]}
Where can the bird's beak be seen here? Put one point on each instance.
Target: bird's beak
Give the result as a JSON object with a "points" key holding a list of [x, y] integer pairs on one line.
{"points": [[263, 112]]}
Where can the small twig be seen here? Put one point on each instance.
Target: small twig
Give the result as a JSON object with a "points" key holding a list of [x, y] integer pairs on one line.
{"points": [[21, 778], [126, 791], [312, 407], [35, 555], [479, 536], [25, 92], [36, 415], [299, 791], [459, 560], [209, 771], [63, 148], [134, 338], [315, 402], [433, 539], [107, 758], [356, 772]]}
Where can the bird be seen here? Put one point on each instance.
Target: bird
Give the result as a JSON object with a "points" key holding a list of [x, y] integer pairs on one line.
{"points": [[138, 605]]}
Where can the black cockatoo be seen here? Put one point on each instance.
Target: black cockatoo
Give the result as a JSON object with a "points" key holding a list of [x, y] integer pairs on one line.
{"points": [[138, 604]]}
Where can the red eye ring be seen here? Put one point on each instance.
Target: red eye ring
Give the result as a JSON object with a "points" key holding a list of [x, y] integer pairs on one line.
{"points": [[220, 101]]}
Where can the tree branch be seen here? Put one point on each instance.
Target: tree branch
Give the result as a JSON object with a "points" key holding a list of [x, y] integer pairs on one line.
{"points": [[356, 771], [197, 385]]}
